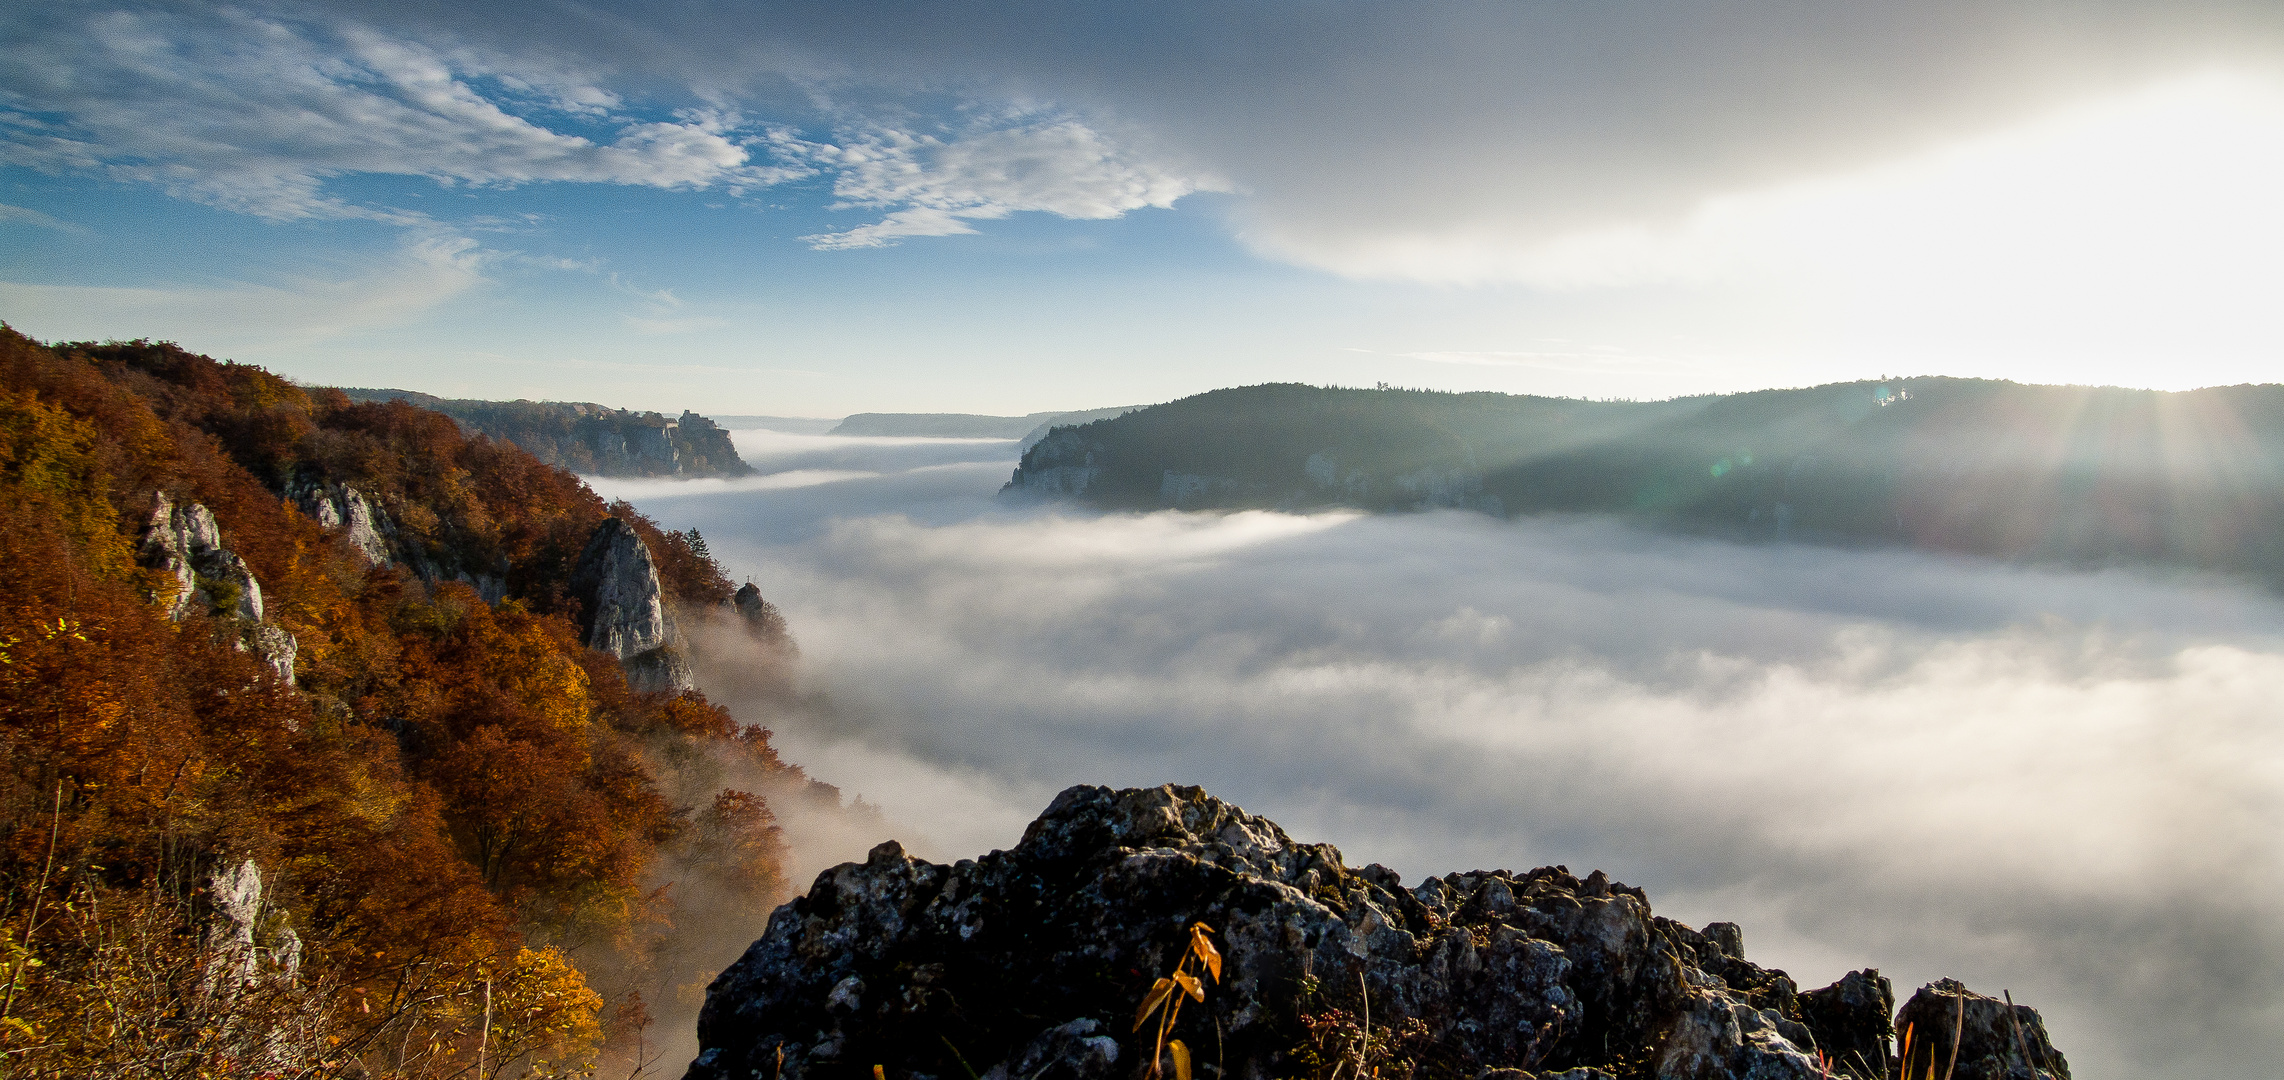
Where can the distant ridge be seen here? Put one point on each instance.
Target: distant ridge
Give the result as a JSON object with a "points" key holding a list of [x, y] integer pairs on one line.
{"points": [[793, 425], [2074, 475], [586, 438], [1030, 427]]}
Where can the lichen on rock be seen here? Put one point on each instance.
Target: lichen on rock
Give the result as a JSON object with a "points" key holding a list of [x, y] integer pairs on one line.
{"points": [[1032, 962]]}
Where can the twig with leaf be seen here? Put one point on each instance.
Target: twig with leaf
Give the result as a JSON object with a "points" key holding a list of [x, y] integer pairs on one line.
{"points": [[1165, 998]]}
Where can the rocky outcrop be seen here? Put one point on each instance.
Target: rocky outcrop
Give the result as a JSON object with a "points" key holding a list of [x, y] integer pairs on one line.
{"points": [[184, 544], [364, 529], [703, 448], [243, 948], [759, 617], [1062, 465], [1851, 1019], [1995, 1040], [624, 610], [1031, 964]]}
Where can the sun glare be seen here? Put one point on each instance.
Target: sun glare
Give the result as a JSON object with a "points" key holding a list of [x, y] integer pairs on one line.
{"points": [[2136, 240]]}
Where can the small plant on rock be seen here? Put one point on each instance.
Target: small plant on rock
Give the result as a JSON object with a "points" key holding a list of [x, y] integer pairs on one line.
{"points": [[1165, 998], [1341, 1043]]}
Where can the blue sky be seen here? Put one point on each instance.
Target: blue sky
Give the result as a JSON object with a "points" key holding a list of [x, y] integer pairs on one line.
{"points": [[814, 210]]}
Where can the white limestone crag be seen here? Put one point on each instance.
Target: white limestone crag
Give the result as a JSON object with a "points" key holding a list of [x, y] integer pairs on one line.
{"points": [[184, 543], [364, 528], [625, 610], [243, 948]]}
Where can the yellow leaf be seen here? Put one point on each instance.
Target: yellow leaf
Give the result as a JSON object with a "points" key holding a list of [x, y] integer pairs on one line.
{"points": [[1159, 991], [1203, 947], [1190, 983], [1181, 1059]]}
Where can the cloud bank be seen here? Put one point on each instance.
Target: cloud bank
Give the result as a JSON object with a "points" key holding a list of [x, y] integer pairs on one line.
{"points": [[258, 111], [2069, 786], [1402, 139], [938, 185]]}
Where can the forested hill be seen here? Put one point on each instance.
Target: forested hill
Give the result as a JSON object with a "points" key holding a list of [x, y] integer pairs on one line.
{"points": [[586, 438], [309, 767], [2048, 473]]}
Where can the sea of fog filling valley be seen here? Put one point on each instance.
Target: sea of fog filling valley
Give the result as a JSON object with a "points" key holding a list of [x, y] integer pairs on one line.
{"points": [[2065, 785]]}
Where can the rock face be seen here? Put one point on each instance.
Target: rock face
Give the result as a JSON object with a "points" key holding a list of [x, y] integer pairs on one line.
{"points": [[624, 610], [364, 528], [1030, 964], [1996, 1041], [184, 543], [587, 438], [704, 448], [1061, 465], [236, 933]]}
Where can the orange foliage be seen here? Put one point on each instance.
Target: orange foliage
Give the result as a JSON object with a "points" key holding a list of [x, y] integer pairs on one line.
{"points": [[457, 801]]}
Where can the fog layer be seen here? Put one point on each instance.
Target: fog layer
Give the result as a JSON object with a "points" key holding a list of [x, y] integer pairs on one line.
{"points": [[2066, 785]]}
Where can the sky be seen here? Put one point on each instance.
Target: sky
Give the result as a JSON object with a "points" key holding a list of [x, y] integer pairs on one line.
{"points": [[2065, 785], [818, 209]]}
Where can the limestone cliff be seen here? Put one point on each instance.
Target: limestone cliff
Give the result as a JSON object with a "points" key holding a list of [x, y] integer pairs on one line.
{"points": [[589, 439], [1036, 964], [1062, 465], [624, 609], [364, 527], [184, 544]]}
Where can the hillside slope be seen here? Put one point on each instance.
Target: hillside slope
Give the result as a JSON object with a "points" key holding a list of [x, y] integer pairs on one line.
{"points": [[310, 768], [2073, 475]]}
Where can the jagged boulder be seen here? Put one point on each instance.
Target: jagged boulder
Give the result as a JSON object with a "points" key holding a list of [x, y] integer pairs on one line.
{"points": [[624, 611], [1032, 963], [367, 531], [1851, 1020], [1995, 1040]]}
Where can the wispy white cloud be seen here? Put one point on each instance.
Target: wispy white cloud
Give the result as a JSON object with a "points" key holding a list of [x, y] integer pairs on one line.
{"points": [[257, 115], [422, 274], [27, 216], [935, 186]]}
